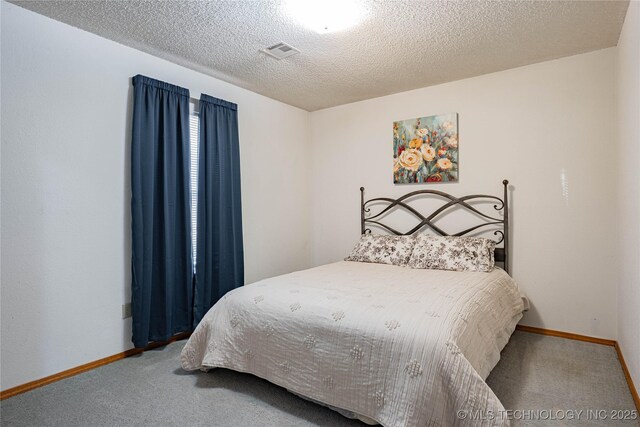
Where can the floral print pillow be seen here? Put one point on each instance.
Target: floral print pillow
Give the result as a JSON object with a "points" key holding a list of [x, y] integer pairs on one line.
{"points": [[453, 253], [394, 250]]}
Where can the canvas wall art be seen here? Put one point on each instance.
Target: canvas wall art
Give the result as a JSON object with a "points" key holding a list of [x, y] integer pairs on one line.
{"points": [[426, 149]]}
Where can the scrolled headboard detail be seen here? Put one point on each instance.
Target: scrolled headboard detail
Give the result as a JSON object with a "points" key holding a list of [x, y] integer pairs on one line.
{"points": [[500, 205]]}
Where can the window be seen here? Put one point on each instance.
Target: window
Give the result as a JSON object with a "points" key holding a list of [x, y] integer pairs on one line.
{"points": [[194, 121]]}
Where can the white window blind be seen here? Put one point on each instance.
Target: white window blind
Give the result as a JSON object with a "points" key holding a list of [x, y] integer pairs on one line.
{"points": [[193, 145]]}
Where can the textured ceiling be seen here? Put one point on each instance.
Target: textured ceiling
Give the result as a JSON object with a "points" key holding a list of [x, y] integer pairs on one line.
{"points": [[400, 45]]}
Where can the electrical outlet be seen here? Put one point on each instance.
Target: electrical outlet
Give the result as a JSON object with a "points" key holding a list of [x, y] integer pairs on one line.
{"points": [[126, 310]]}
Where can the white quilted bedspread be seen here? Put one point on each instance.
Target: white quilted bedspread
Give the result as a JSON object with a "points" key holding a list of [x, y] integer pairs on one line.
{"points": [[404, 347]]}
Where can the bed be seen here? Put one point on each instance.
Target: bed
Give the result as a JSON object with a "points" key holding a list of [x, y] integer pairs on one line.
{"points": [[383, 343]]}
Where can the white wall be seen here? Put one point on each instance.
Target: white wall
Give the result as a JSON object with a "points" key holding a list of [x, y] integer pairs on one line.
{"points": [[629, 190], [549, 128], [65, 189]]}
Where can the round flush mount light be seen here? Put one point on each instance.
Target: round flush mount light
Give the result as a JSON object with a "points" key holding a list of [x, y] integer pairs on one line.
{"points": [[326, 16]]}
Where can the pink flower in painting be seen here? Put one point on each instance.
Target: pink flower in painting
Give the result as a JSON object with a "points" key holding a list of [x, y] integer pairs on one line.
{"points": [[410, 159], [428, 153], [422, 132], [444, 164]]}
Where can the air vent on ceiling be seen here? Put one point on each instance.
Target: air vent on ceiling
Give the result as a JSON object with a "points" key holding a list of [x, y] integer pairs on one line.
{"points": [[280, 50]]}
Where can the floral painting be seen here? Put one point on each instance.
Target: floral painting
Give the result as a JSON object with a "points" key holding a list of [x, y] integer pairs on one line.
{"points": [[426, 149]]}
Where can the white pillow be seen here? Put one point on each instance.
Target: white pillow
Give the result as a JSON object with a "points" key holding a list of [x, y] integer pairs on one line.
{"points": [[394, 250], [453, 253]]}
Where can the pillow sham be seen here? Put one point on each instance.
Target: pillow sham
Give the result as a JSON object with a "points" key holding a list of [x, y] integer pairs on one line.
{"points": [[453, 253], [381, 249]]}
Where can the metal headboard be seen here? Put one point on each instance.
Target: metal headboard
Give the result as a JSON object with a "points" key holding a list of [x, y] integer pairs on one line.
{"points": [[501, 254]]}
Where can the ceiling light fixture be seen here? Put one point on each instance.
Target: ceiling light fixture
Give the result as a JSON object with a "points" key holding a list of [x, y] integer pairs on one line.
{"points": [[326, 16]]}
